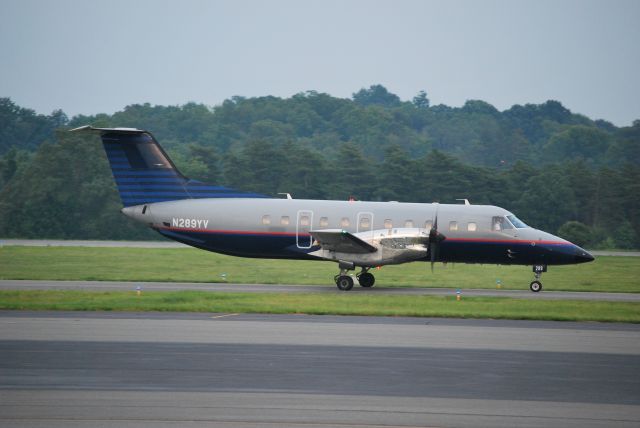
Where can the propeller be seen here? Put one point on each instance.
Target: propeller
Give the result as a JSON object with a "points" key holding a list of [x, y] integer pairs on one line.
{"points": [[435, 238]]}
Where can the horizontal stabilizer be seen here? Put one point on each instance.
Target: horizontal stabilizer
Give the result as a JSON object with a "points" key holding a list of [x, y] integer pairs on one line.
{"points": [[341, 241]]}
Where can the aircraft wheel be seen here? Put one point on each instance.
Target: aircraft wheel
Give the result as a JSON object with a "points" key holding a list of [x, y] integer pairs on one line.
{"points": [[366, 280], [344, 283], [535, 286]]}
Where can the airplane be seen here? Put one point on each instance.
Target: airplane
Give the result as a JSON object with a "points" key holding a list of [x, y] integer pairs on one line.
{"points": [[355, 234]]}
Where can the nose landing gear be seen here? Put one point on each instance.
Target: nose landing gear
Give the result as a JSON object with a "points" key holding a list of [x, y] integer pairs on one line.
{"points": [[536, 285]]}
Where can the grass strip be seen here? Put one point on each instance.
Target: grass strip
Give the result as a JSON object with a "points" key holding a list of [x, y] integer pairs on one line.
{"points": [[609, 274], [322, 304]]}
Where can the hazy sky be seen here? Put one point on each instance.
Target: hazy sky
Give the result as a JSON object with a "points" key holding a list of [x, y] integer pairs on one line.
{"points": [[89, 57]]}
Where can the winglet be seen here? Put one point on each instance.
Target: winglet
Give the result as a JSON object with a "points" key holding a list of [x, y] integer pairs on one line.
{"points": [[92, 128]]}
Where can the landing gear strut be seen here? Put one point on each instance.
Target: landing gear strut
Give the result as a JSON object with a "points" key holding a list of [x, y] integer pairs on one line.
{"points": [[344, 281], [365, 278], [536, 285]]}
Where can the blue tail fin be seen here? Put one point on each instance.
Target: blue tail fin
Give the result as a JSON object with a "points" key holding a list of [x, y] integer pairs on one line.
{"points": [[144, 173]]}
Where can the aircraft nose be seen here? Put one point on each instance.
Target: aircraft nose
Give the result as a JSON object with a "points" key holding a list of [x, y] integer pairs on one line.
{"points": [[582, 256]]}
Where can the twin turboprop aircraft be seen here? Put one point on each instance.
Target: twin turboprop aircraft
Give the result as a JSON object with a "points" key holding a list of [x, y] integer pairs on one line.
{"points": [[355, 234]]}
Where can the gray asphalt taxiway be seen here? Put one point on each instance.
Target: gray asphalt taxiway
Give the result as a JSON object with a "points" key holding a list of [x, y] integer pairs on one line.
{"points": [[71, 369], [279, 288]]}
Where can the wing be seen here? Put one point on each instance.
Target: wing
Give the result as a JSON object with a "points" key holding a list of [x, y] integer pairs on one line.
{"points": [[341, 241]]}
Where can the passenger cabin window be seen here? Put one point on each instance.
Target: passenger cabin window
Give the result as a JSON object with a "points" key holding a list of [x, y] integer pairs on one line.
{"points": [[388, 224], [345, 222], [266, 220], [284, 220], [365, 223], [324, 221], [453, 225], [408, 223], [428, 224], [304, 220], [472, 227]]}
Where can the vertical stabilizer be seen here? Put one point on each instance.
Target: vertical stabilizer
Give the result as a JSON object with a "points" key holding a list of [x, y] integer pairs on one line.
{"points": [[145, 174]]}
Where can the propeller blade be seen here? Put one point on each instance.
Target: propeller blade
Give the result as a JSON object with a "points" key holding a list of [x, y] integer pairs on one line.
{"points": [[432, 250], [434, 240]]}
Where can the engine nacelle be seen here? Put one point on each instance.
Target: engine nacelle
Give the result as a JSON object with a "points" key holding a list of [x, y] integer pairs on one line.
{"points": [[393, 246]]}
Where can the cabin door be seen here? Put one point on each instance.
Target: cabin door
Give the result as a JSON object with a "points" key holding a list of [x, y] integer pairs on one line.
{"points": [[303, 226]]}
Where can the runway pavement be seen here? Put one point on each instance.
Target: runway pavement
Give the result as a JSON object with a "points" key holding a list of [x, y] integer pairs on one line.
{"points": [[277, 288], [69, 369]]}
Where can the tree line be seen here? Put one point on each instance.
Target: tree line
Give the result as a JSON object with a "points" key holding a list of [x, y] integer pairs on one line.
{"points": [[557, 170]]}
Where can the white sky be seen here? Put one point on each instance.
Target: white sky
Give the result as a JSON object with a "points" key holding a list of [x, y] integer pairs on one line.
{"points": [[90, 57]]}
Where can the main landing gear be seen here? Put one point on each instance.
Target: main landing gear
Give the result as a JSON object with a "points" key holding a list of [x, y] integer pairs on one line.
{"points": [[365, 278], [536, 285], [345, 282]]}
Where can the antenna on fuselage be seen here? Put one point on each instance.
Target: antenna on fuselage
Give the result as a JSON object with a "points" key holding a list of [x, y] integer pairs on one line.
{"points": [[288, 195], [466, 201]]}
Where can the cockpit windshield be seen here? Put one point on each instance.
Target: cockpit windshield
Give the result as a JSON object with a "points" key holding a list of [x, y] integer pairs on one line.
{"points": [[516, 222]]}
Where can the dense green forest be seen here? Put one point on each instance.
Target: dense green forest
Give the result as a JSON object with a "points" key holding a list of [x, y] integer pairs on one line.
{"points": [[559, 171]]}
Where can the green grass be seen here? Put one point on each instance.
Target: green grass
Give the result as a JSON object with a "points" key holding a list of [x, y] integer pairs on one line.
{"points": [[614, 274], [321, 304]]}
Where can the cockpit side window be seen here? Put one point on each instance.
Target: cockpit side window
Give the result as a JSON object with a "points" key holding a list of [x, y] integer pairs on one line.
{"points": [[499, 223]]}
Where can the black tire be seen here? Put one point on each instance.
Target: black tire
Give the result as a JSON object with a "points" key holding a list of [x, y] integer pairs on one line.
{"points": [[366, 279], [344, 283], [535, 286]]}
